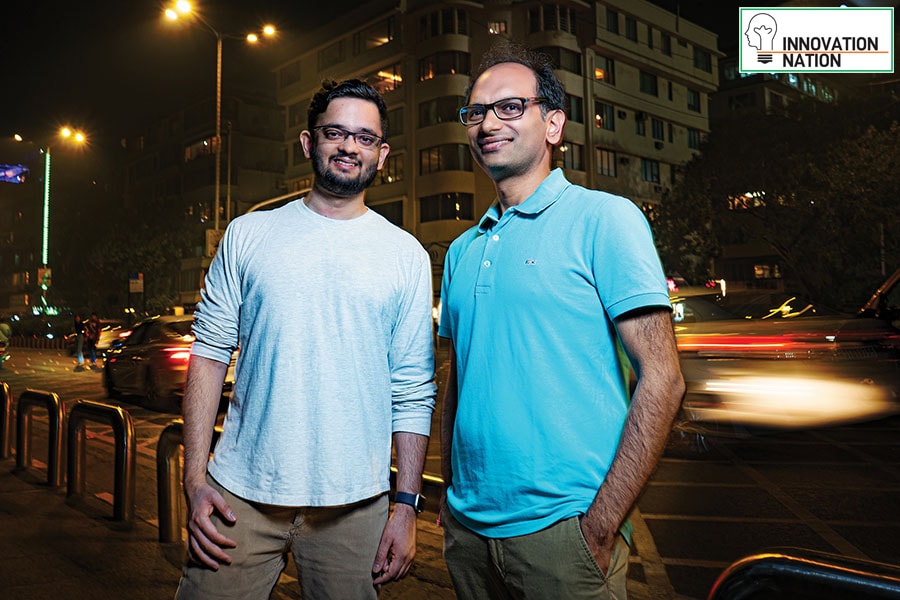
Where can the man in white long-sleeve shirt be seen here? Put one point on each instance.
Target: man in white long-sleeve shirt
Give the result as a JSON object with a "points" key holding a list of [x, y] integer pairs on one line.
{"points": [[330, 305]]}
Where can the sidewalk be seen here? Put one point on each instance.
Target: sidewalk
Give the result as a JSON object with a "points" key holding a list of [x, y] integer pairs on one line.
{"points": [[50, 548]]}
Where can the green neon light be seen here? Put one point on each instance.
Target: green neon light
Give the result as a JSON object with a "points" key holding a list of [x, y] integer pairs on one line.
{"points": [[45, 229]]}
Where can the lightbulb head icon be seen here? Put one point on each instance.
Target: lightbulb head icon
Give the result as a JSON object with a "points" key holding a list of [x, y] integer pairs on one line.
{"points": [[760, 34]]}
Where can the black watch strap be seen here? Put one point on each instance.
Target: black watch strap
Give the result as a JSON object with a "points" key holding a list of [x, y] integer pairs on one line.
{"points": [[417, 501]]}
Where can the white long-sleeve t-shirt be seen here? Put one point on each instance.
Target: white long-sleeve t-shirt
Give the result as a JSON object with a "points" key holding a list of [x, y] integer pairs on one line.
{"points": [[333, 319]]}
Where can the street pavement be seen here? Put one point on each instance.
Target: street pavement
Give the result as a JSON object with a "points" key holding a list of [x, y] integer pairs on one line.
{"points": [[54, 546]]}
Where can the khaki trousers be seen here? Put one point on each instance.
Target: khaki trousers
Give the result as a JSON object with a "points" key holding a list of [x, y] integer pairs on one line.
{"points": [[333, 548], [555, 562]]}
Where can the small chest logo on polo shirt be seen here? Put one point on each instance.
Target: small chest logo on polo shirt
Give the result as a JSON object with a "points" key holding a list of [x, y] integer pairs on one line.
{"points": [[529, 261]]}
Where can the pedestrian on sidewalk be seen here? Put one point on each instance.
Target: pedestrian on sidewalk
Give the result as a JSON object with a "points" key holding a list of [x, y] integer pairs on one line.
{"points": [[92, 337], [330, 305], [547, 301], [78, 325]]}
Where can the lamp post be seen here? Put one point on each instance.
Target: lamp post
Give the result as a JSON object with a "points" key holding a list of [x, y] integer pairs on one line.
{"points": [[44, 273], [182, 7]]}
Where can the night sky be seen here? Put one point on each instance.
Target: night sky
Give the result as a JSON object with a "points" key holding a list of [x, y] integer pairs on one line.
{"points": [[111, 66]]}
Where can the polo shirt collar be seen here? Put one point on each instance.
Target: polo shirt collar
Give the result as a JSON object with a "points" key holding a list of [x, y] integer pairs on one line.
{"points": [[546, 194]]}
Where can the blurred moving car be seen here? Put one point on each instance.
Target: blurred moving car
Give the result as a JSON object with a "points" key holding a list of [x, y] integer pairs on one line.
{"points": [[152, 361], [759, 359]]}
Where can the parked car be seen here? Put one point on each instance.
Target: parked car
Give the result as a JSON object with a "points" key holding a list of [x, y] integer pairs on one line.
{"points": [[152, 361], [771, 360]]}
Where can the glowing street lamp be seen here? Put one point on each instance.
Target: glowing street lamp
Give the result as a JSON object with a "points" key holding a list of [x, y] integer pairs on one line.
{"points": [[70, 135], [182, 8]]}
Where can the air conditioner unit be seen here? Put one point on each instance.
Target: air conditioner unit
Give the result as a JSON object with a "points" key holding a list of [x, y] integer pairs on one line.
{"points": [[657, 189], [640, 115], [624, 160], [622, 114], [658, 145]]}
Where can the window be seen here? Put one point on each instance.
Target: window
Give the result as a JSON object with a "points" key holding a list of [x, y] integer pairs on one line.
{"points": [[612, 21], [631, 29], [297, 153], [443, 22], [604, 116], [444, 63], [640, 124], [671, 133], [656, 129], [576, 108], [200, 148], [447, 157], [497, 27], [809, 86], [290, 74], [605, 70], [392, 211], [650, 170], [386, 79], [606, 162], [455, 206], [392, 171], [563, 58], [331, 55], [693, 138], [665, 43], [376, 35], [649, 36], [395, 121], [649, 84], [793, 80], [702, 59], [297, 114], [551, 17], [569, 156], [440, 110], [693, 100], [670, 91]]}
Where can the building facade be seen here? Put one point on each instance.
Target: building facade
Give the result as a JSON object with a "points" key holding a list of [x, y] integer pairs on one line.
{"points": [[638, 80], [171, 168]]}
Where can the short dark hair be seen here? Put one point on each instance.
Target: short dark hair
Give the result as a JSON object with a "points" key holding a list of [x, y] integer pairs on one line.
{"points": [[350, 88], [548, 84]]}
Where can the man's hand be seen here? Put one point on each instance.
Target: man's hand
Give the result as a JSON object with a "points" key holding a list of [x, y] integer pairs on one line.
{"points": [[600, 543], [398, 546], [205, 543]]}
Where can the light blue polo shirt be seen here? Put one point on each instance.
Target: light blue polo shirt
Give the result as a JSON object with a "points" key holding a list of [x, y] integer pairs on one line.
{"points": [[529, 299]]}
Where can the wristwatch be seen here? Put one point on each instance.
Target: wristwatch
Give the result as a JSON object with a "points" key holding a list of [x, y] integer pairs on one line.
{"points": [[417, 501]]}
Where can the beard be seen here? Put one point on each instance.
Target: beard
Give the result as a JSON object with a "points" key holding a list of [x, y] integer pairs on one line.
{"points": [[341, 185]]}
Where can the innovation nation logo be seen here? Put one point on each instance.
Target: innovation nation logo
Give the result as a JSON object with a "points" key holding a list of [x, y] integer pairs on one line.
{"points": [[845, 40]]}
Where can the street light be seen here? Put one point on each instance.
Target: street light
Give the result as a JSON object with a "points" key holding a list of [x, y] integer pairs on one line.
{"points": [[44, 273], [183, 8]]}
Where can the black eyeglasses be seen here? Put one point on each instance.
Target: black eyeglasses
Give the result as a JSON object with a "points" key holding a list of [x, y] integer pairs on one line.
{"points": [[507, 109], [337, 135]]}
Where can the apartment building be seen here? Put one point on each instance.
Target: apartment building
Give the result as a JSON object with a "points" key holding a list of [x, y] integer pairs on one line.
{"points": [[171, 171], [638, 80]]}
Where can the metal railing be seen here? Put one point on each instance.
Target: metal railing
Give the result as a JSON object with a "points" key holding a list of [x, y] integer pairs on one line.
{"points": [[802, 574], [5, 420], [169, 489], [56, 412], [123, 431]]}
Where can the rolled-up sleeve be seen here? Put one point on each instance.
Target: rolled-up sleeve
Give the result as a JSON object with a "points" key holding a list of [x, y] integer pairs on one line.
{"points": [[412, 354], [216, 327]]}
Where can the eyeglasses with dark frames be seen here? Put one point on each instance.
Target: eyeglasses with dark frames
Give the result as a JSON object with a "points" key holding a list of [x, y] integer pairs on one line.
{"points": [[507, 109], [337, 135]]}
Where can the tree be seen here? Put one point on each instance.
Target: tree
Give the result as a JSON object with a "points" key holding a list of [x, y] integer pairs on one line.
{"points": [[816, 185]]}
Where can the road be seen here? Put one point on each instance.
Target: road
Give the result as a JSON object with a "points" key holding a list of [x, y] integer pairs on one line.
{"points": [[833, 489]]}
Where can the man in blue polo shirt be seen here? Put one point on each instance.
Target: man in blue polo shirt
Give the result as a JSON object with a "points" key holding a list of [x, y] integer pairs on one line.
{"points": [[546, 302]]}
